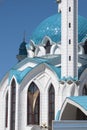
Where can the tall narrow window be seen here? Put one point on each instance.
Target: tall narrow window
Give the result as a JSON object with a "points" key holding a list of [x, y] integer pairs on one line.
{"points": [[69, 58], [51, 106], [84, 90], [13, 104], [69, 9], [33, 104], [6, 111], [69, 41], [69, 25]]}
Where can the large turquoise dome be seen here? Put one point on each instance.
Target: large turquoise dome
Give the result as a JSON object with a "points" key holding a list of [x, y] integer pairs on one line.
{"points": [[52, 27]]}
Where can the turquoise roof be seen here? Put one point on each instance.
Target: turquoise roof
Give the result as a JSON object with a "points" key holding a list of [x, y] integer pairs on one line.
{"points": [[19, 75], [57, 70], [37, 60], [52, 27], [80, 100]]}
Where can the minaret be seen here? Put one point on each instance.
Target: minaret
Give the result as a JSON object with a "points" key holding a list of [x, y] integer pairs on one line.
{"points": [[69, 37]]}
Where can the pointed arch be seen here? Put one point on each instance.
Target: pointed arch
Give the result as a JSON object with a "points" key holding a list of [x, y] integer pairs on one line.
{"points": [[13, 104], [55, 49], [47, 47], [6, 110], [33, 104], [84, 91], [51, 106]]}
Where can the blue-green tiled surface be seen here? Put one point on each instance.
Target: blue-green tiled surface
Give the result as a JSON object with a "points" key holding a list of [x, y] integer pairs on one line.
{"points": [[52, 27]]}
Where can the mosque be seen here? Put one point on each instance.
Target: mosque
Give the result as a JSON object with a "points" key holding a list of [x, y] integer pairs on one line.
{"points": [[49, 82]]}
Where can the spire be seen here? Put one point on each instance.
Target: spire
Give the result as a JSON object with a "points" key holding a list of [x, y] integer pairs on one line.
{"points": [[24, 36]]}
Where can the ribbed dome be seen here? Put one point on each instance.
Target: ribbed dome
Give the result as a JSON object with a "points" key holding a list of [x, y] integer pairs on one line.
{"points": [[52, 27]]}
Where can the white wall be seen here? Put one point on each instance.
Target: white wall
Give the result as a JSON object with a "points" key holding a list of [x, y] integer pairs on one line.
{"points": [[69, 67], [42, 77]]}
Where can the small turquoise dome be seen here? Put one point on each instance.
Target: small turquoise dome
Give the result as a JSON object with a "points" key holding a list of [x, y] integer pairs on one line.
{"points": [[52, 27]]}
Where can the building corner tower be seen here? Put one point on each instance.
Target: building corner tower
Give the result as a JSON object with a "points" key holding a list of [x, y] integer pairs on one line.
{"points": [[69, 37]]}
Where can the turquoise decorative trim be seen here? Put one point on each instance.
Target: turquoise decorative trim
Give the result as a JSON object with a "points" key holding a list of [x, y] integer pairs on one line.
{"points": [[19, 75], [57, 115], [69, 78]]}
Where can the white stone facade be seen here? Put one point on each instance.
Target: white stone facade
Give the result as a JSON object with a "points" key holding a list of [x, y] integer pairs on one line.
{"points": [[69, 37], [42, 78], [46, 64]]}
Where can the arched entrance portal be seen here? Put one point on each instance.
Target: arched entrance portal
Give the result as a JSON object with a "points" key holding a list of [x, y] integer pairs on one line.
{"points": [[72, 112]]}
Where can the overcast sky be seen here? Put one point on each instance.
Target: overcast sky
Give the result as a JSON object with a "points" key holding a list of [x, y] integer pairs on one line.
{"points": [[17, 16]]}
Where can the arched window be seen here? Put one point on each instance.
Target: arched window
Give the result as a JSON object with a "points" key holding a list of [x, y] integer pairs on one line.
{"points": [[51, 106], [6, 111], [85, 47], [33, 104], [84, 92], [13, 104], [47, 47]]}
